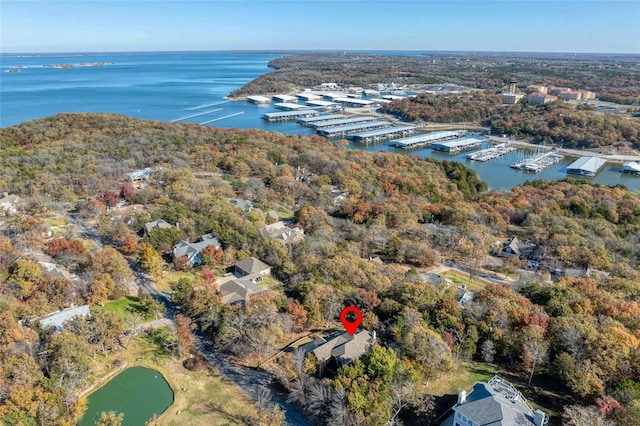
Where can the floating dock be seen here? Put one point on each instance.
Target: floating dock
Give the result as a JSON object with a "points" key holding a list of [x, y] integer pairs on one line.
{"points": [[453, 147], [382, 134], [290, 115], [341, 122], [353, 103], [586, 166], [631, 168], [352, 128], [326, 117], [538, 162], [308, 97], [258, 100], [426, 139], [491, 153], [285, 98], [287, 106]]}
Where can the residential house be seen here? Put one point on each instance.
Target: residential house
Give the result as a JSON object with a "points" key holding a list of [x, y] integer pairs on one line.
{"points": [[58, 319], [140, 175], [284, 234], [245, 205], [155, 225], [239, 290], [495, 403], [9, 204], [251, 267], [341, 349], [515, 247], [463, 296], [193, 250]]}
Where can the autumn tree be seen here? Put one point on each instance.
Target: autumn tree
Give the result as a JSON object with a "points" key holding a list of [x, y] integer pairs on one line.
{"points": [[184, 337]]}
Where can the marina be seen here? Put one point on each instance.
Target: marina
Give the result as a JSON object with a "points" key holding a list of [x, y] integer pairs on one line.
{"points": [[453, 147], [284, 98], [491, 153], [426, 139], [258, 100], [382, 134], [538, 162], [288, 106], [586, 166], [351, 128]]}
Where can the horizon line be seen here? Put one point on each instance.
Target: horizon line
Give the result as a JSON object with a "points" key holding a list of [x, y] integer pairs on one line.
{"points": [[316, 50]]}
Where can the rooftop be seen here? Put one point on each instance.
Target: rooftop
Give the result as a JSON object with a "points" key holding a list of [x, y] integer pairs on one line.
{"points": [[588, 164]]}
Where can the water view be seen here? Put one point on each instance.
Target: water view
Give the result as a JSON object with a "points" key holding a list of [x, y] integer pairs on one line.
{"points": [[137, 392], [191, 87]]}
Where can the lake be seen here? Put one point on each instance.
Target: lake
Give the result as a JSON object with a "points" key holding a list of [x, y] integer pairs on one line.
{"points": [[137, 392], [174, 85]]}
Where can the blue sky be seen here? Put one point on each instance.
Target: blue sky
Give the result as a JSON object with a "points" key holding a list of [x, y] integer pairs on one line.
{"points": [[549, 26]]}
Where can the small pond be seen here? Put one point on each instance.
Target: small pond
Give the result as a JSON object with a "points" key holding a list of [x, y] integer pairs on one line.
{"points": [[137, 392]]}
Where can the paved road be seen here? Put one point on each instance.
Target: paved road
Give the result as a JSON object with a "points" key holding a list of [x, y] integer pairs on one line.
{"points": [[250, 381]]}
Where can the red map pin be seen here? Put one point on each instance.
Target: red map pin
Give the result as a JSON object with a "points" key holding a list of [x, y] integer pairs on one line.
{"points": [[351, 327]]}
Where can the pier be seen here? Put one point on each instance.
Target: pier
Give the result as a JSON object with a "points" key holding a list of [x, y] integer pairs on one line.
{"points": [[631, 168], [382, 134], [340, 122], [426, 139], [307, 121], [453, 147], [207, 106], [491, 153], [258, 100], [586, 166], [352, 128], [538, 162], [290, 115]]}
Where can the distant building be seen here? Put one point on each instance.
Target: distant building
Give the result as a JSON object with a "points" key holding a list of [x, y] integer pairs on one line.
{"points": [[140, 175], [58, 319], [9, 204], [512, 85], [537, 88], [495, 403], [193, 250], [329, 86], [515, 247], [245, 205], [570, 95], [539, 98], [341, 349], [251, 267], [512, 98], [155, 225], [282, 233]]}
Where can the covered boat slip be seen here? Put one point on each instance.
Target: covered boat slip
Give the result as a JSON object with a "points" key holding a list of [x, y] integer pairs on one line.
{"points": [[426, 139], [290, 115], [382, 134], [326, 117], [340, 122], [352, 128], [586, 166], [453, 147]]}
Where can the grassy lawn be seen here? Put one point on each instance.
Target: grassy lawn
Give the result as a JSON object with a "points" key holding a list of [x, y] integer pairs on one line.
{"points": [[172, 277], [271, 284], [88, 244], [201, 398], [463, 377], [284, 213], [125, 306], [460, 278]]}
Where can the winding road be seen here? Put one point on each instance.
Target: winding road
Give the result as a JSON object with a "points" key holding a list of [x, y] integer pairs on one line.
{"points": [[251, 382]]}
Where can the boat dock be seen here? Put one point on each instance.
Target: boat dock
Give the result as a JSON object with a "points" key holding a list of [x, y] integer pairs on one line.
{"points": [[426, 139], [284, 98], [352, 128], [586, 166], [538, 162], [340, 122], [631, 167], [491, 153], [258, 100], [327, 117], [382, 134], [453, 147], [290, 115]]}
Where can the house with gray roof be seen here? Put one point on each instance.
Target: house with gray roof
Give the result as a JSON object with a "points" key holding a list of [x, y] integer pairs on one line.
{"points": [[515, 247], [58, 319], [193, 250], [495, 403], [156, 224], [238, 290], [342, 349], [282, 233], [251, 267]]}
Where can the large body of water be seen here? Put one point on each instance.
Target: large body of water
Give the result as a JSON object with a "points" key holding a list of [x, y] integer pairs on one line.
{"points": [[171, 86], [137, 392]]}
